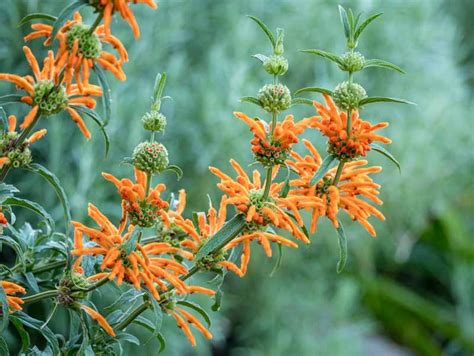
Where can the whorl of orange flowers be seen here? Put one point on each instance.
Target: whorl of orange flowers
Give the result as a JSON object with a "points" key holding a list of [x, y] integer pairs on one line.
{"points": [[333, 125], [79, 49], [352, 193], [10, 288]]}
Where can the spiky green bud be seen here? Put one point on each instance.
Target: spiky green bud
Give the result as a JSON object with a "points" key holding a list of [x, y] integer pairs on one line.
{"points": [[347, 96], [154, 121], [89, 44], [275, 65], [150, 157], [51, 99], [352, 62], [274, 97]]}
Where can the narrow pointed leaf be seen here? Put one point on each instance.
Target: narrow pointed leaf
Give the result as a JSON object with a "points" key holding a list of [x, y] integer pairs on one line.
{"points": [[66, 14], [160, 82], [323, 169], [36, 16], [31, 205], [7, 191], [197, 308], [328, 55], [382, 64], [301, 101], [10, 99], [383, 99], [345, 22], [286, 185], [305, 230], [251, 99], [3, 119], [131, 242], [5, 310], [386, 153], [364, 24], [106, 98], [217, 300], [96, 118], [266, 30], [342, 242], [261, 57], [25, 338], [228, 232], [313, 90], [278, 262], [45, 331], [147, 324], [175, 169], [4, 347]]}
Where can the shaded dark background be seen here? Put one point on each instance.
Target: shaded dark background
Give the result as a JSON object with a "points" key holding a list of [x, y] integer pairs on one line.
{"points": [[410, 290]]}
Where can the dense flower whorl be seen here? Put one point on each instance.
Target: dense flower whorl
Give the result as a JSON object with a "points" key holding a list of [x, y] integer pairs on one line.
{"points": [[333, 125], [274, 97], [348, 95], [276, 65], [150, 157], [352, 62]]}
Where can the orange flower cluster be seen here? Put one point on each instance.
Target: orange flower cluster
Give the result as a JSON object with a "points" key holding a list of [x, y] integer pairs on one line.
{"points": [[271, 147], [10, 289], [351, 193], [333, 125], [79, 49], [142, 210]]}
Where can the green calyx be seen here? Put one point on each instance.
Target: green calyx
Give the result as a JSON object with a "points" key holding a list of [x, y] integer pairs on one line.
{"points": [[210, 262], [276, 65], [272, 155], [147, 216], [51, 99], [150, 157], [348, 95], [274, 97], [89, 44], [172, 234], [322, 187], [72, 288], [19, 156], [154, 121], [352, 62]]}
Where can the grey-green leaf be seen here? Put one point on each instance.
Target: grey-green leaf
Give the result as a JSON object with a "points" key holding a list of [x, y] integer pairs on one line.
{"points": [[382, 64], [10, 99], [386, 153], [96, 118], [106, 98], [286, 185], [328, 55], [45, 331], [197, 308], [266, 30], [261, 57], [25, 338], [301, 101], [383, 99], [160, 82], [66, 14], [175, 169], [4, 309], [342, 242], [251, 99], [27, 204], [323, 169], [131, 242], [364, 24], [3, 347], [345, 22], [313, 90], [36, 16]]}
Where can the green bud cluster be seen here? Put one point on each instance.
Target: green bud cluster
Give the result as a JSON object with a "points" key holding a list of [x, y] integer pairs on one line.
{"points": [[172, 234], [275, 65], [274, 97], [348, 95], [272, 155], [210, 262], [19, 156], [146, 216], [150, 157], [322, 187], [352, 62], [71, 288], [154, 121], [50, 99], [89, 43]]}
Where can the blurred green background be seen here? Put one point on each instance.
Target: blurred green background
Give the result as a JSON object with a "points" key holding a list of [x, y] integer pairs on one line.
{"points": [[410, 291]]}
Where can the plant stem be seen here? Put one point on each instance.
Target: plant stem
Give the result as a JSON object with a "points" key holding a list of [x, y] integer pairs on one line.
{"points": [[268, 183], [133, 315], [98, 284], [39, 296], [48, 267], [96, 22], [149, 177], [338, 172]]}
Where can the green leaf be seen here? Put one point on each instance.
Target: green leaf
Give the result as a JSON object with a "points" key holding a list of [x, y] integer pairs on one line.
{"points": [[4, 309], [15, 246], [126, 297], [31, 205], [261, 57], [266, 30], [3, 347], [305, 230], [45, 331], [66, 14], [147, 324], [364, 24], [3, 119], [381, 99], [24, 336], [217, 300], [131, 242], [301, 101], [328, 55], [251, 99], [160, 82], [197, 308], [386, 153], [345, 22], [96, 118], [36, 16], [323, 169], [106, 99], [228, 232], [56, 185], [342, 242], [279, 259], [10, 99], [175, 169], [123, 336], [85, 335], [382, 64], [313, 90], [157, 314], [7, 191], [286, 186]]}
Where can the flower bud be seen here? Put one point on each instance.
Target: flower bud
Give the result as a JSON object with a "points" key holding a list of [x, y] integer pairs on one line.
{"points": [[348, 95], [276, 65], [274, 97], [154, 121], [352, 62], [89, 44], [50, 99], [150, 157]]}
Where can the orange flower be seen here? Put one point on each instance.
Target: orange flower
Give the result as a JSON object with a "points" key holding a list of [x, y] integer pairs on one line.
{"points": [[142, 210], [3, 219], [333, 125], [146, 264], [271, 149], [109, 7], [47, 95], [353, 190], [184, 319], [20, 155], [99, 318], [79, 49], [11, 288]]}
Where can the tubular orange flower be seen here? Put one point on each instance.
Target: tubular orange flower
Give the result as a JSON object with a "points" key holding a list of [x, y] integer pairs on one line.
{"points": [[333, 125], [81, 56], [148, 264], [142, 210], [46, 94], [353, 189], [99, 318], [16, 156], [10, 289], [109, 7], [184, 319], [273, 149], [3, 219]]}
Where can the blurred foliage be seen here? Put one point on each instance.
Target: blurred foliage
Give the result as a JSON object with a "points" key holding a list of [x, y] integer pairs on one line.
{"points": [[414, 284]]}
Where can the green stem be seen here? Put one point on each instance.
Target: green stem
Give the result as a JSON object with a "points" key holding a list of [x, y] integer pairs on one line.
{"points": [[39, 296], [338, 172], [98, 284], [149, 177], [48, 267], [133, 315], [268, 183], [96, 22]]}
